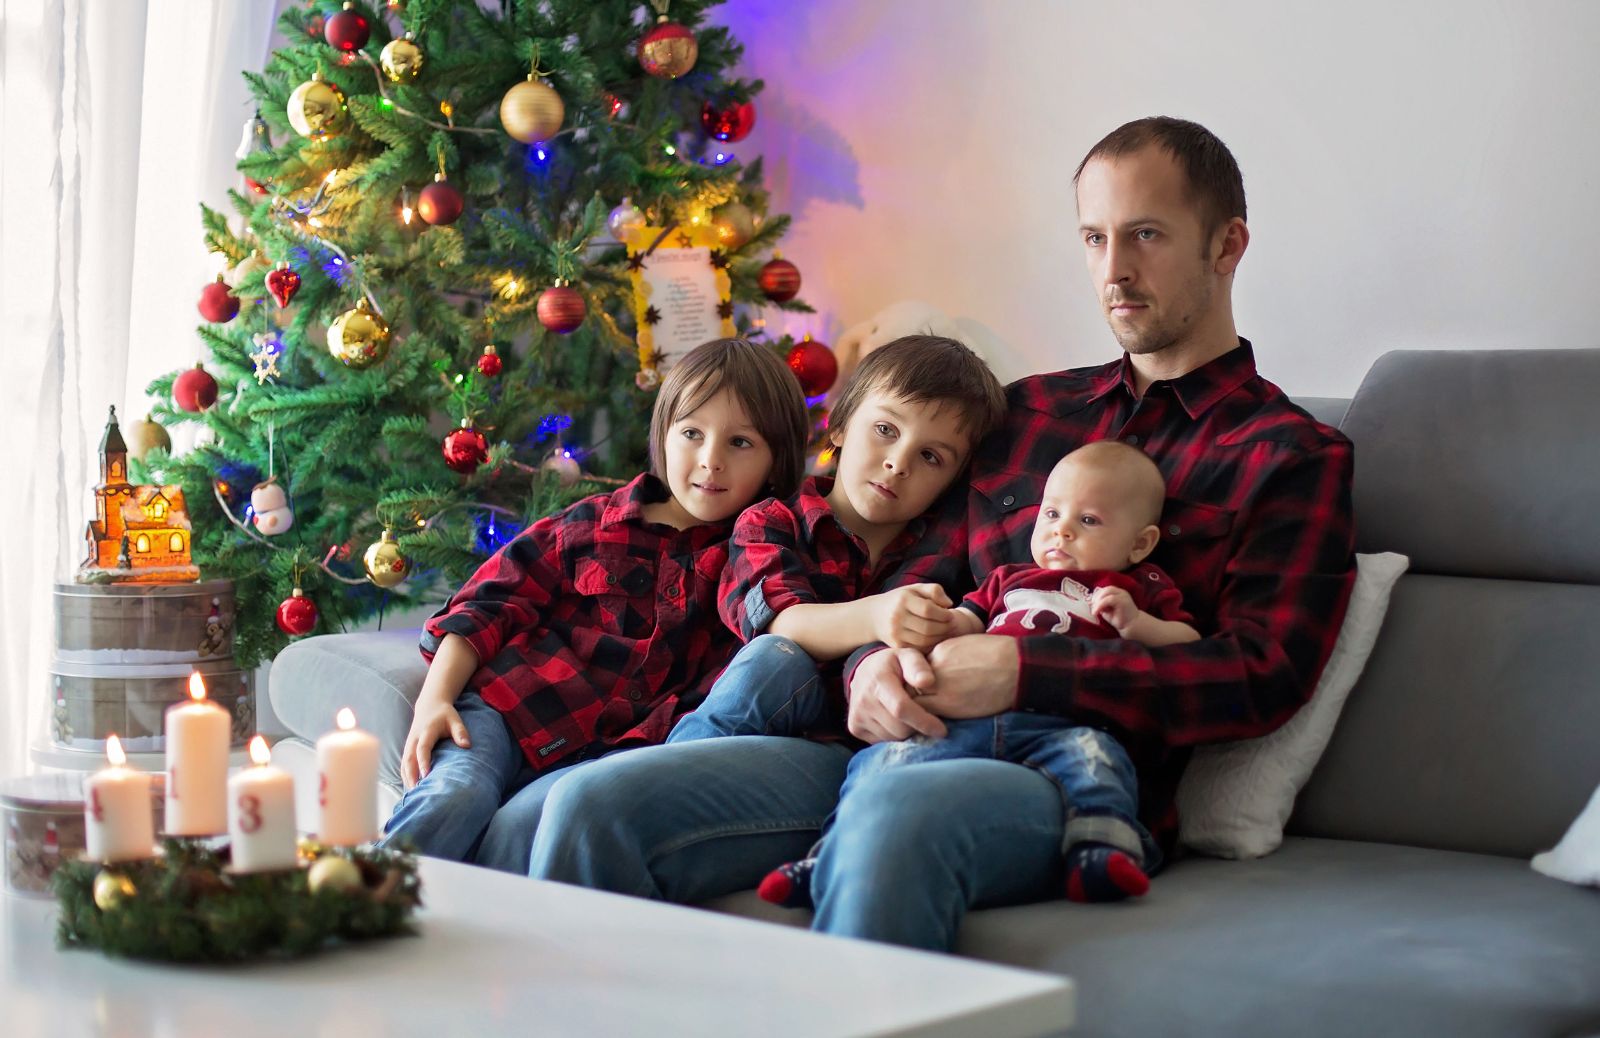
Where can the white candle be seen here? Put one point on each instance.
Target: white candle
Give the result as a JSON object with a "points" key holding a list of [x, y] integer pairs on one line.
{"points": [[347, 761], [198, 733], [261, 814], [117, 822]]}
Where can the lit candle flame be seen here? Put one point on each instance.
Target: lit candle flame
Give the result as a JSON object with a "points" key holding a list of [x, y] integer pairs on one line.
{"points": [[258, 751], [114, 752], [346, 719], [197, 688]]}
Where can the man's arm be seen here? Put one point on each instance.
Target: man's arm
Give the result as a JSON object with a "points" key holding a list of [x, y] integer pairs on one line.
{"points": [[1282, 599]]}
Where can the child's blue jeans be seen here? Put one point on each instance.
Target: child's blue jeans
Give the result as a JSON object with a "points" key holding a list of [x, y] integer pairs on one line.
{"points": [[773, 687]]}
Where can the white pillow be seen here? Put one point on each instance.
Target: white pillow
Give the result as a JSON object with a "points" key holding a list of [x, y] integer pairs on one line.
{"points": [[1576, 858], [1235, 797]]}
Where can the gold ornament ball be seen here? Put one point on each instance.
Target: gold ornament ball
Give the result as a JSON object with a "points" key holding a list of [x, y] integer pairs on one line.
{"points": [[532, 111], [112, 889], [565, 468], [385, 566], [332, 872], [735, 224], [316, 109], [401, 60], [310, 849], [359, 338], [145, 436]]}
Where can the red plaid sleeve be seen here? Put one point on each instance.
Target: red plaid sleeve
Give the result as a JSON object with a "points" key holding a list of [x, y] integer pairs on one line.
{"points": [[768, 569], [508, 593]]}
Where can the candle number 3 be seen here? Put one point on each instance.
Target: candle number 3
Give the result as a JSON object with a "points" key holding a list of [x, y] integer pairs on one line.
{"points": [[249, 813]]}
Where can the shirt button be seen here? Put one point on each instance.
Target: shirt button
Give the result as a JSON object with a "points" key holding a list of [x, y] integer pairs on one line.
{"points": [[635, 695], [672, 592], [1174, 530], [1008, 501], [1132, 441], [611, 578]]}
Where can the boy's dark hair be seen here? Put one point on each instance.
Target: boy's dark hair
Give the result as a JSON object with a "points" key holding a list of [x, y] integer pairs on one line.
{"points": [[924, 368], [1215, 183], [758, 377]]}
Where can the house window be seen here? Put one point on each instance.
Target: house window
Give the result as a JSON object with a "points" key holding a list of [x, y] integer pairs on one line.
{"points": [[143, 544], [158, 508], [177, 542]]}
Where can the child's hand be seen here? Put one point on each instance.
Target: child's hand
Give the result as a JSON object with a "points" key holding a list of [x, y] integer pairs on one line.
{"points": [[1114, 606], [432, 721], [917, 616]]}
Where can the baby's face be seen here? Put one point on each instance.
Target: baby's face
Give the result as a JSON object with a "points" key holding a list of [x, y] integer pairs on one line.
{"points": [[1088, 520]]}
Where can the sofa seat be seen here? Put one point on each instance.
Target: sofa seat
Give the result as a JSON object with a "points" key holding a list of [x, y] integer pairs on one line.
{"points": [[1322, 937]]}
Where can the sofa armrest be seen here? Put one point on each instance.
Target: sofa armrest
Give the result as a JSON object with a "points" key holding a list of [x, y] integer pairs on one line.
{"points": [[377, 674]]}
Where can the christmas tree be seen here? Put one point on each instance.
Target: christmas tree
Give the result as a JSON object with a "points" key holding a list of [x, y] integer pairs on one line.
{"points": [[430, 332]]}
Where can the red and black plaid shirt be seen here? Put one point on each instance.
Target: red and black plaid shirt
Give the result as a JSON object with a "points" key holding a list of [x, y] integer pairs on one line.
{"points": [[594, 628], [1257, 532]]}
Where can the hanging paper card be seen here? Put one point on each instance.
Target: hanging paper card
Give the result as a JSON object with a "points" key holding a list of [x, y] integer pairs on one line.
{"points": [[681, 291]]}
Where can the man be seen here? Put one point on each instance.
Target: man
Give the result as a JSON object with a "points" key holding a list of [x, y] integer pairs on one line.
{"points": [[1257, 533]]}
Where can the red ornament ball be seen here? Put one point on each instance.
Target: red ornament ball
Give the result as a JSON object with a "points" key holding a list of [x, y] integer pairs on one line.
{"points": [[195, 389], [440, 203], [490, 365], [779, 280], [255, 186], [730, 123], [561, 308], [814, 364], [465, 449], [348, 30], [668, 50], [296, 615], [315, 25], [217, 303]]}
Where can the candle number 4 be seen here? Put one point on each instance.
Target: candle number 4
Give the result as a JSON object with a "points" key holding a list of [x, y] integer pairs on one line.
{"points": [[249, 813]]}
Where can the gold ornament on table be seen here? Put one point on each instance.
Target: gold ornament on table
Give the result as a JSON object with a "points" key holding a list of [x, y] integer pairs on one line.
{"points": [[310, 849], [332, 872], [735, 224], [385, 566], [532, 111], [317, 109], [111, 889], [359, 338], [402, 59]]}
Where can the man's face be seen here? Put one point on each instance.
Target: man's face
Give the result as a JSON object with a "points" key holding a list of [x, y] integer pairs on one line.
{"points": [[1150, 260]]}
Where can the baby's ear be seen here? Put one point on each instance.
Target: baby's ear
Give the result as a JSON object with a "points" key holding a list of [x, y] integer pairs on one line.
{"points": [[1144, 544]]}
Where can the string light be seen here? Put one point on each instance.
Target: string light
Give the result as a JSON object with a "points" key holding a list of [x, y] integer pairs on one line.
{"points": [[670, 150]]}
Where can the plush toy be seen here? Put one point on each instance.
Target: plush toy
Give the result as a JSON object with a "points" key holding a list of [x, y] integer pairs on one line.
{"points": [[909, 317]]}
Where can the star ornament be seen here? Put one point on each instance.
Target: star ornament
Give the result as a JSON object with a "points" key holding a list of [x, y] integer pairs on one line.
{"points": [[685, 240], [725, 309], [266, 366], [652, 316], [719, 259], [636, 261]]}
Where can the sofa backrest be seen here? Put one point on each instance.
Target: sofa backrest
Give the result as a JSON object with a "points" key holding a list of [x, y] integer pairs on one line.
{"points": [[1476, 724]]}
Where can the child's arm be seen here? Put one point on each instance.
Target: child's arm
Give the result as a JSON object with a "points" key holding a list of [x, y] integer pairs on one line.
{"points": [[916, 616], [435, 716], [1115, 606]]}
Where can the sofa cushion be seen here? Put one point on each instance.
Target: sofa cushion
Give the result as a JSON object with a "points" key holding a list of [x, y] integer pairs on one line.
{"points": [[1576, 858], [1325, 937], [1480, 463], [377, 674], [1472, 727]]}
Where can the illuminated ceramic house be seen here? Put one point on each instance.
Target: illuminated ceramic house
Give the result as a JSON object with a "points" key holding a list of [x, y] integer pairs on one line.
{"points": [[140, 534]]}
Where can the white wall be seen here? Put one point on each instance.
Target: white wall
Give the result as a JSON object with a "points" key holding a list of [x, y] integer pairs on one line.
{"points": [[1422, 174]]}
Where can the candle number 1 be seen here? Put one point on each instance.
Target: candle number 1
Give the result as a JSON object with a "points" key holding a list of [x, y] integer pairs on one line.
{"points": [[250, 812]]}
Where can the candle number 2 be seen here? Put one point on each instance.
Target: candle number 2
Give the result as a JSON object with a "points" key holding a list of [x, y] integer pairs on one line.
{"points": [[95, 806], [249, 813]]}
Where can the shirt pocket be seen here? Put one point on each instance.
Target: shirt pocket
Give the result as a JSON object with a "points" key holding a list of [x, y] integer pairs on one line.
{"points": [[1188, 523], [1010, 492], [614, 575]]}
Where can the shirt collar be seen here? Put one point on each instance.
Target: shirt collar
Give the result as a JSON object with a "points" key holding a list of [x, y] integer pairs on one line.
{"points": [[811, 505], [1198, 390], [626, 503]]}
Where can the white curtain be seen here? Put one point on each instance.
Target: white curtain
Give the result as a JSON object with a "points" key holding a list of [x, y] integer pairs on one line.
{"points": [[118, 118]]}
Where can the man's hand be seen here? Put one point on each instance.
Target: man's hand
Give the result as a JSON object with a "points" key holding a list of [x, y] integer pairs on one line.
{"points": [[432, 721], [1114, 606], [974, 675], [916, 616], [883, 703]]}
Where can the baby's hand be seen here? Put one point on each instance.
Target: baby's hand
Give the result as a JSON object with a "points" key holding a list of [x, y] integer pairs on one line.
{"points": [[917, 616], [432, 721], [1114, 606]]}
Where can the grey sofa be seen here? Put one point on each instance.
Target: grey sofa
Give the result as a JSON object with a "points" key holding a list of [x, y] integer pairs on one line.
{"points": [[1401, 902]]}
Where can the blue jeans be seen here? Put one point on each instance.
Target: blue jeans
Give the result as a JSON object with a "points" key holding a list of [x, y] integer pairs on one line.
{"points": [[771, 687], [444, 815], [1096, 779], [508, 840], [911, 850]]}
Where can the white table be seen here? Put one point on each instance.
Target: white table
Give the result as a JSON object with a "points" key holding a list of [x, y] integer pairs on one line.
{"points": [[499, 954]]}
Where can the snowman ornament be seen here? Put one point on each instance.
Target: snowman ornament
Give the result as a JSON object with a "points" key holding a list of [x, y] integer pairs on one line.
{"points": [[271, 507]]}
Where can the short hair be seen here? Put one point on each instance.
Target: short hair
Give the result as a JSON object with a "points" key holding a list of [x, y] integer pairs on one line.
{"points": [[924, 368], [763, 384], [1146, 485], [1215, 183]]}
